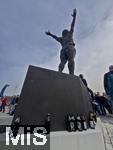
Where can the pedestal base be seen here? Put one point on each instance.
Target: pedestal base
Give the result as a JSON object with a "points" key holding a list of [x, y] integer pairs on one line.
{"points": [[63, 140], [85, 140]]}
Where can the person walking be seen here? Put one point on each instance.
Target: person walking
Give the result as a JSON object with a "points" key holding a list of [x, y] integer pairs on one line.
{"points": [[108, 84]]}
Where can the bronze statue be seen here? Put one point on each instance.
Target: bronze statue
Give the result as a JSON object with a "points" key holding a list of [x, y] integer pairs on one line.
{"points": [[68, 50]]}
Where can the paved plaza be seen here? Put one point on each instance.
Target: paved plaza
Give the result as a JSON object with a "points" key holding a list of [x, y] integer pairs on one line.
{"points": [[107, 126]]}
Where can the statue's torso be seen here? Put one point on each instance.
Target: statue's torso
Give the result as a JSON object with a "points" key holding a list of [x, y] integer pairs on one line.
{"points": [[67, 41]]}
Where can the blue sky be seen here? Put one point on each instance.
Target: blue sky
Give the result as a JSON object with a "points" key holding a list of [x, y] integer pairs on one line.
{"points": [[23, 41]]}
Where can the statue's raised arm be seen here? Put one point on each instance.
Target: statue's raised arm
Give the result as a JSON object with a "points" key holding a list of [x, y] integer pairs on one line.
{"points": [[73, 21], [53, 36]]}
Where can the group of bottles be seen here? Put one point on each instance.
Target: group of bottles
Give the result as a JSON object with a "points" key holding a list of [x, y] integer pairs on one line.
{"points": [[80, 123]]}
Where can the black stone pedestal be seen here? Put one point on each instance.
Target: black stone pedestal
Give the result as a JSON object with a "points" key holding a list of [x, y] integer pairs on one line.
{"points": [[46, 91]]}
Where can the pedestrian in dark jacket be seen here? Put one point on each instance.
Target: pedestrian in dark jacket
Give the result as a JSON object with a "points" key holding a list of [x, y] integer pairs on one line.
{"points": [[108, 84]]}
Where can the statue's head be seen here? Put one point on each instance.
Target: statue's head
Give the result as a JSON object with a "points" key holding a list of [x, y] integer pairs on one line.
{"points": [[65, 32]]}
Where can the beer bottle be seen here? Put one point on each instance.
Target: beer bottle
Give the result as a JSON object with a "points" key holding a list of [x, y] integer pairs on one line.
{"points": [[78, 123], [84, 123], [91, 121], [48, 122], [95, 117], [71, 123]]}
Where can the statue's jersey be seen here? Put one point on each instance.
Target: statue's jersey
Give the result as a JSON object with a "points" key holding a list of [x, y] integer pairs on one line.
{"points": [[66, 41]]}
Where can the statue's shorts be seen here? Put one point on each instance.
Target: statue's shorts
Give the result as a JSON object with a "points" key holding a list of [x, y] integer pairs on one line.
{"points": [[68, 53]]}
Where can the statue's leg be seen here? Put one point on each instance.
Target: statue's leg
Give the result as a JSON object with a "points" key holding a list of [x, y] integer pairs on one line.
{"points": [[63, 60], [71, 64]]}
